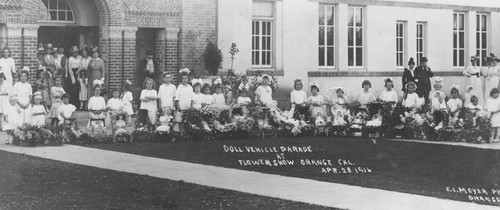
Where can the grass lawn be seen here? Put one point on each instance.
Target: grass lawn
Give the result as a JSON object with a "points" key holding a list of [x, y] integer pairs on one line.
{"points": [[424, 169], [34, 183]]}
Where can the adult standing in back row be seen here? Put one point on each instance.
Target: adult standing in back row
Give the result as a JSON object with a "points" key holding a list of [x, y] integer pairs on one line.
{"points": [[423, 76]]}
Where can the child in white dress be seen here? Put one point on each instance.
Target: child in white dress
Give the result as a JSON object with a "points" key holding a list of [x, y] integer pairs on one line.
{"points": [[148, 100], [365, 97], [493, 107], [166, 92], [22, 90], [197, 95], [218, 96], [468, 95], [4, 98], [411, 99], [66, 110], [115, 105], [82, 80], [11, 117], [389, 95], [264, 93], [127, 98], [298, 99], [207, 98], [183, 99], [454, 104], [56, 93], [316, 102], [38, 111], [97, 109], [437, 97]]}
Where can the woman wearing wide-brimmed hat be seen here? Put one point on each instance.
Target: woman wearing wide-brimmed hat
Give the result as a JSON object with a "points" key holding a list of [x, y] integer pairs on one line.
{"points": [[473, 74], [491, 74]]}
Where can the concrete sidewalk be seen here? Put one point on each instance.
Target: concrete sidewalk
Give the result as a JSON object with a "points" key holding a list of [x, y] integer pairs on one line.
{"points": [[288, 188]]}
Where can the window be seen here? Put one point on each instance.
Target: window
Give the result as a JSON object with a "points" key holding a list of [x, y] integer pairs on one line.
{"points": [[58, 10], [482, 37], [262, 32], [420, 41], [458, 39], [355, 37], [400, 43], [326, 36]]}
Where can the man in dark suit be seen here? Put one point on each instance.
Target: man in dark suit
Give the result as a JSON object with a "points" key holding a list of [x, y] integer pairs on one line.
{"points": [[423, 76]]}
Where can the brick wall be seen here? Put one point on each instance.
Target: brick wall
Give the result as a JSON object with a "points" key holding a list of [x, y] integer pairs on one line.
{"points": [[198, 25]]}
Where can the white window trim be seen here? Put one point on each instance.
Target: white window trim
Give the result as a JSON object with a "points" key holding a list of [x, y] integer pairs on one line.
{"points": [[271, 64], [488, 38], [458, 67], [57, 10], [424, 41], [363, 22], [404, 47], [325, 45]]}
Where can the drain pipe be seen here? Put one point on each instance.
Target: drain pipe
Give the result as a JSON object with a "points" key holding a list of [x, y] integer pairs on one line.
{"points": [[22, 47], [123, 59]]}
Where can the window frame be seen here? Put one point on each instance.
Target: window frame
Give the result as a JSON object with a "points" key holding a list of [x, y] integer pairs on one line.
{"points": [[457, 31], [325, 45], [261, 19], [57, 10], [421, 53], [401, 40], [482, 51], [354, 43]]}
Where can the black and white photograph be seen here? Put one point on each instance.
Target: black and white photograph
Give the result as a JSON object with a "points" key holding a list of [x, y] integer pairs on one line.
{"points": [[250, 104]]}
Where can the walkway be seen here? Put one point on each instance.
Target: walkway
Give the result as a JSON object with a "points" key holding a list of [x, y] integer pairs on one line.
{"points": [[289, 188]]}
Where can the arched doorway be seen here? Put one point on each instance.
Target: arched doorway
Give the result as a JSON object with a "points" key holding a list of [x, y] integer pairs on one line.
{"points": [[66, 23]]}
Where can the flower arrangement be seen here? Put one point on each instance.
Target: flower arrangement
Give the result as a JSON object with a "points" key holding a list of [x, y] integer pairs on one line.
{"points": [[255, 82], [34, 136]]}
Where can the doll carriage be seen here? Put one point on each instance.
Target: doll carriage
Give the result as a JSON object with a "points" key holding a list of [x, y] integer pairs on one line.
{"points": [[320, 126], [97, 123], [196, 126], [264, 123], [119, 128], [476, 127], [358, 124], [374, 127], [143, 128], [164, 127], [339, 123]]}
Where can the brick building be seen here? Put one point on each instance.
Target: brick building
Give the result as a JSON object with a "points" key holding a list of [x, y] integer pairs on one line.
{"points": [[176, 30]]}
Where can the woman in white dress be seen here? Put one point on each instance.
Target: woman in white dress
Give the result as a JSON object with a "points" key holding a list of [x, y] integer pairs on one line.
{"points": [[473, 75], [7, 66], [491, 74]]}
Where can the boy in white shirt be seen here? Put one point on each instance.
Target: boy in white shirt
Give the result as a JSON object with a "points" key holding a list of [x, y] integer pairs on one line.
{"points": [[166, 92]]}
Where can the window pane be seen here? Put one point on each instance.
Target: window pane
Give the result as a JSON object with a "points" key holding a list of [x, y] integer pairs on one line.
{"points": [[421, 46], [455, 58], [330, 16], [483, 25], [321, 16], [454, 21], [257, 56], [350, 37], [359, 56], [268, 24], [268, 43], [321, 56], [359, 37], [264, 28], [350, 56], [330, 36], [53, 15], [321, 35], [359, 17], [461, 39], [62, 5], [461, 22], [478, 22], [329, 57], [351, 17], [70, 16], [484, 41], [257, 43], [454, 39], [462, 58], [61, 16], [478, 40], [53, 4], [401, 45], [268, 58]]}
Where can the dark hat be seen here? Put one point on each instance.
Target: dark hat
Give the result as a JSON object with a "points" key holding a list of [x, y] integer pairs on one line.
{"points": [[423, 59], [411, 62]]}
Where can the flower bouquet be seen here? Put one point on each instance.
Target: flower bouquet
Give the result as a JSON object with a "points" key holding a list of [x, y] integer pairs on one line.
{"points": [[197, 128], [37, 136]]}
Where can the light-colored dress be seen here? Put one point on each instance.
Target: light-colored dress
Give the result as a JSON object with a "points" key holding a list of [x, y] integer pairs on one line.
{"points": [[166, 94], [434, 96], [127, 99], [389, 96], [317, 105], [197, 100], [265, 94], [493, 104], [245, 100], [184, 95], [296, 97], [219, 99], [454, 104], [114, 105], [364, 98], [23, 92], [8, 67], [56, 93], [492, 78], [67, 110], [207, 99], [83, 95], [12, 117], [151, 105], [4, 97], [411, 100], [38, 120], [473, 74]]}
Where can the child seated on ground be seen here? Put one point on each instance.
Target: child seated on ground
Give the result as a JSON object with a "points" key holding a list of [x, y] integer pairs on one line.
{"points": [[66, 110], [264, 93], [454, 104], [38, 111]]}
